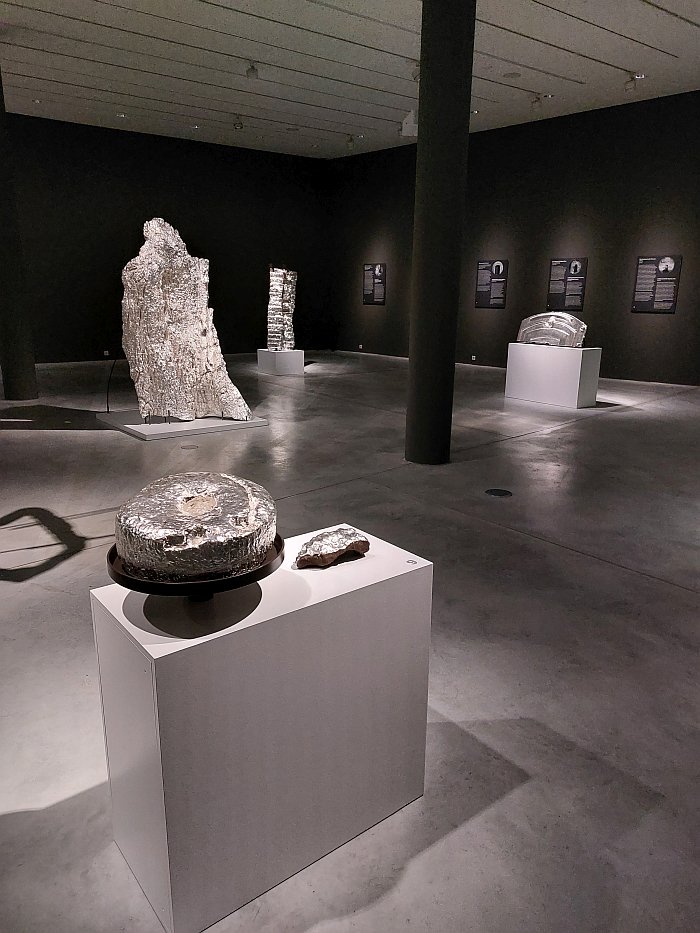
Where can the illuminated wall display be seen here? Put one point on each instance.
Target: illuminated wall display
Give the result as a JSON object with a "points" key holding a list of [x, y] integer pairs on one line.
{"points": [[374, 283], [567, 284], [491, 283], [656, 285]]}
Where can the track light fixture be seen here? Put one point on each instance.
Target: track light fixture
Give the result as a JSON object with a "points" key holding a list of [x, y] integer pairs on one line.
{"points": [[237, 123], [415, 71], [631, 82], [536, 103], [350, 143], [252, 72]]}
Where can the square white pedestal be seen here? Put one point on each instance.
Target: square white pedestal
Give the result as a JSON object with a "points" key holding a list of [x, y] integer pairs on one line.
{"points": [[250, 735], [564, 376], [131, 422], [281, 362]]}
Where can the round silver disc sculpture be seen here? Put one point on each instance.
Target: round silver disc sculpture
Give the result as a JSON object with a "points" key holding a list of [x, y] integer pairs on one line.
{"points": [[195, 527]]}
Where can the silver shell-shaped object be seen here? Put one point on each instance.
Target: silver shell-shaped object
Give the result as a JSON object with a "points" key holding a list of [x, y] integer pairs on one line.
{"points": [[196, 526], [556, 328], [325, 548]]}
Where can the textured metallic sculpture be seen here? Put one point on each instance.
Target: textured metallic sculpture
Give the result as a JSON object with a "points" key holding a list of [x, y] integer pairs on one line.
{"points": [[280, 309], [196, 526], [325, 548], [556, 328], [169, 336]]}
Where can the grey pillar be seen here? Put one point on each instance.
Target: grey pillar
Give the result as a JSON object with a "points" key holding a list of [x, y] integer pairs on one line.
{"points": [[16, 347], [447, 47]]}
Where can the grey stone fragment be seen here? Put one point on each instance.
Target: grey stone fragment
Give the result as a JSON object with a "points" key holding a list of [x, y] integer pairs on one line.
{"points": [[325, 548], [556, 328], [169, 336], [280, 309], [193, 526]]}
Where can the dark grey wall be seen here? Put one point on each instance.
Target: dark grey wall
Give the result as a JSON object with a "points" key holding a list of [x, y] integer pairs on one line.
{"points": [[84, 194], [609, 184]]}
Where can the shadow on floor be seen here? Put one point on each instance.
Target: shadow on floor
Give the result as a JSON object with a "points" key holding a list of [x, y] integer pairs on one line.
{"points": [[61, 868], [58, 527], [48, 418]]}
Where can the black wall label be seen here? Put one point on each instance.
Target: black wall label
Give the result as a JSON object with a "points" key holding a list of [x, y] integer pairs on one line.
{"points": [[374, 283], [567, 284], [491, 283], [656, 286]]}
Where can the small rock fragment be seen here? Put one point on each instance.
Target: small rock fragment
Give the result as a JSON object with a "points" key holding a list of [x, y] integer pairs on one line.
{"points": [[325, 548]]}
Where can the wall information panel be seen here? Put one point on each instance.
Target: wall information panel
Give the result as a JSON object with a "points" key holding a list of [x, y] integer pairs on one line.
{"points": [[656, 285], [374, 283], [567, 284], [491, 283]]}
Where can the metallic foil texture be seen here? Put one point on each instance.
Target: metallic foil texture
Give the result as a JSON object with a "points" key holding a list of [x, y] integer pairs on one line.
{"points": [[169, 336], [280, 309], [196, 526], [325, 548], [556, 328]]}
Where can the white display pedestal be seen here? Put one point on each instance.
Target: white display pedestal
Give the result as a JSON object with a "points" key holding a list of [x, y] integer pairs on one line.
{"points": [[281, 362], [564, 376], [252, 734], [131, 422]]}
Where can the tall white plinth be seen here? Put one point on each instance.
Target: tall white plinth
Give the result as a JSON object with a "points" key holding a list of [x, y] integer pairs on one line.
{"points": [[281, 362], [564, 376], [250, 735]]}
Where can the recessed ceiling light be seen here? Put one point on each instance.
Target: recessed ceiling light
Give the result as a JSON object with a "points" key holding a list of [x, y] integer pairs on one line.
{"points": [[121, 116], [195, 126], [251, 72], [639, 75], [36, 101], [360, 135], [473, 111], [548, 96], [237, 123]]}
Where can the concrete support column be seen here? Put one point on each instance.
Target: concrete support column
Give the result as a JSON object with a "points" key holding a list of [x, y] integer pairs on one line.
{"points": [[16, 346], [447, 47]]}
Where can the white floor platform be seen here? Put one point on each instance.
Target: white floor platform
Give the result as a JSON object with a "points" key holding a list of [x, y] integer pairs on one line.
{"points": [[131, 422], [281, 362], [563, 376], [250, 735]]}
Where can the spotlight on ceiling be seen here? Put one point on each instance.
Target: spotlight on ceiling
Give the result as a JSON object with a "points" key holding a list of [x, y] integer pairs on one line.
{"points": [[536, 103], [251, 72], [36, 101], [473, 112], [237, 123], [360, 135], [548, 96], [121, 116], [195, 126], [409, 126], [639, 76], [350, 143]]}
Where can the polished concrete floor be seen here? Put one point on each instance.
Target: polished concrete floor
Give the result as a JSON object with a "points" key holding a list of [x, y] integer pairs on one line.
{"points": [[563, 747]]}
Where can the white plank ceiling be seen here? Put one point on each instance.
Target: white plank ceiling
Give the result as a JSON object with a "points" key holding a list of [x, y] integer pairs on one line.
{"points": [[333, 76]]}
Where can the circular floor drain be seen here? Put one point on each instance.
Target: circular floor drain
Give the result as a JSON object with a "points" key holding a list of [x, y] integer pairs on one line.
{"points": [[499, 493]]}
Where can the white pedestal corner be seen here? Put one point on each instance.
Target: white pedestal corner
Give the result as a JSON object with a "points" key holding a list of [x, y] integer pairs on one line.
{"points": [[131, 422], [281, 362], [563, 376], [249, 736]]}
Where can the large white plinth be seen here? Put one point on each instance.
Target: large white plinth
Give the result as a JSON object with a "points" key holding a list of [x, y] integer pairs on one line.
{"points": [[281, 362], [250, 735], [131, 422], [564, 376]]}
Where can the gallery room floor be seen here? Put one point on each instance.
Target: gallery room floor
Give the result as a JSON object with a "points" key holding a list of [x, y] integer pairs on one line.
{"points": [[563, 746]]}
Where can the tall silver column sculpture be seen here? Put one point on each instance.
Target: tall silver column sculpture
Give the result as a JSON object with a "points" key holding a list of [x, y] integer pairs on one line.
{"points": [[169, 336], [280, 309]]}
